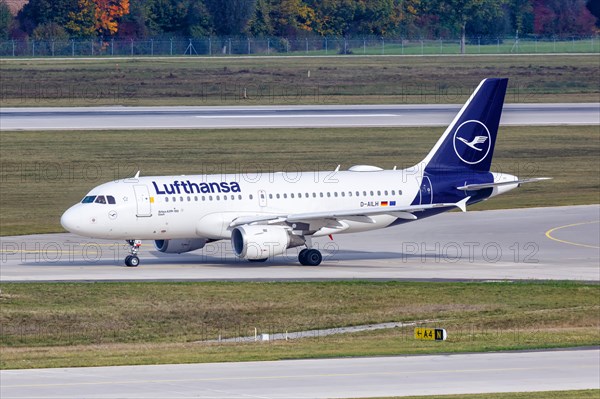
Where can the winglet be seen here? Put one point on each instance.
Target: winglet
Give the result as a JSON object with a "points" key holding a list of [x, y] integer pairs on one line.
{"points": [[137, 175], [462, 204]]}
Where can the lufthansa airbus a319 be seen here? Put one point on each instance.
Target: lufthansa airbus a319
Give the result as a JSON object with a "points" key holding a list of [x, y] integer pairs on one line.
{"points": [[271, 212]]}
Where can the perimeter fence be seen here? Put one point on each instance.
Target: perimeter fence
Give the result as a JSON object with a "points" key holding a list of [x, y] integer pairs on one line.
{"points": [[246, 46]]}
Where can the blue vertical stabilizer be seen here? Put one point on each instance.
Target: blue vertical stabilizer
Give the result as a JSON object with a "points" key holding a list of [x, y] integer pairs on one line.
{"points": [[468, 143]]}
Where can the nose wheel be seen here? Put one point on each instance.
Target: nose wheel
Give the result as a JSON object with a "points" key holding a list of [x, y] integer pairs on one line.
{"points": [[134, 247]]}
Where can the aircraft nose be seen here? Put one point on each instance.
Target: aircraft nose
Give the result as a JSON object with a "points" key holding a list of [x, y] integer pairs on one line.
{"points": [[70, 220]]}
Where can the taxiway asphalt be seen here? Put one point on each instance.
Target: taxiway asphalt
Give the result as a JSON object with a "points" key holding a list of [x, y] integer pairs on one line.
{"points": [[554, 243], [324, 378]]}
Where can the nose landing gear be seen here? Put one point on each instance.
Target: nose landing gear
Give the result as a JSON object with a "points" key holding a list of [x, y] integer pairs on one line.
{"points": [[134, 247]]}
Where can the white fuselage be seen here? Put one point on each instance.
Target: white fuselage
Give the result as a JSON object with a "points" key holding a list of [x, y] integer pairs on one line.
{"points": [[169, 207]]}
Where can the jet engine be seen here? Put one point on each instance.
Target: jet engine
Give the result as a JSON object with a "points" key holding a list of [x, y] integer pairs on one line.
{"points": [[179, 246], [258, 242]]}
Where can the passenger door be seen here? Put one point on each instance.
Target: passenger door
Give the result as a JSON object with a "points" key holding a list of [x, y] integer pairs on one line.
{"points": [[143, 200]]}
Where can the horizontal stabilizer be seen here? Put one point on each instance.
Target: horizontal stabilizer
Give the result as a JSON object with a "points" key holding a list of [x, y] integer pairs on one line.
{"points": [[475, 187]]}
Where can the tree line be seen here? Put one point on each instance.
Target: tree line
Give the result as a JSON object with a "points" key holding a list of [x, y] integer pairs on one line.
{"points": [[124, 19]]}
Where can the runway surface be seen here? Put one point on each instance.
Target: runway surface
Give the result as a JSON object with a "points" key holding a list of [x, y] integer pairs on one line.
{"points": [[556, 243], [327, 378], [281, 116]]}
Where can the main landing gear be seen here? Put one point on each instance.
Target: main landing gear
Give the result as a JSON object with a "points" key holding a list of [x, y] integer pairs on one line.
{"points": [[134, 247], [310, 257]]}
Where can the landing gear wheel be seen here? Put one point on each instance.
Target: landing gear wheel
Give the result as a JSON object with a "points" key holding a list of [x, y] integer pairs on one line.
{"points": [[258, 260], [302, 256], [132, 261], [134, 247], [312, 257]]}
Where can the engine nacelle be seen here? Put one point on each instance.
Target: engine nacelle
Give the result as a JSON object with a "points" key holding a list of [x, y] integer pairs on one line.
{"points": [[179, 246], [262, 242]]}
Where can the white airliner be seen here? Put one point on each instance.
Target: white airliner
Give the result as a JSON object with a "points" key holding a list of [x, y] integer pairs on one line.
{"points": [[265, 214]]}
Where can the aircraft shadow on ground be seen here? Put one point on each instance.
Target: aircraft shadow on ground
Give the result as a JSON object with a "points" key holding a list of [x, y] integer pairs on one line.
{"points": [[330, 259]]}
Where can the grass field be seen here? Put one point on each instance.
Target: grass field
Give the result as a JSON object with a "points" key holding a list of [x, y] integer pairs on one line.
{"points": [[83, 324], [43, 173], [252, 81]]}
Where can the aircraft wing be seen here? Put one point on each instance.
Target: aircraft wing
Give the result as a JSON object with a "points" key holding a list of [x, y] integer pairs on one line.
{"points": [[406, 212], [359, 215], [475, 187]]}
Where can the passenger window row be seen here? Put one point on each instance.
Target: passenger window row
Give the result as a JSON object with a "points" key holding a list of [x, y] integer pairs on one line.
{"points": [[327, 194], [335, 194]]}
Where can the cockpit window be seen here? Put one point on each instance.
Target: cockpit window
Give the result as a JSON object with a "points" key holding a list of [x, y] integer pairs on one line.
{"points": [[99, 199], [89, 199]]}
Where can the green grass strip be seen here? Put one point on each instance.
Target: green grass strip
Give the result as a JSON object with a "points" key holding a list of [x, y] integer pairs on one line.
{"points": [[94, 324]]}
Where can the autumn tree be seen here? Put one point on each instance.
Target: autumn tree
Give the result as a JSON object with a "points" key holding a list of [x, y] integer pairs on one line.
{"points": [[333, 17], [406, 16], [79, 18], [82, 21], [135, 24], [107, 14], [291, 17], [362, 17], [559, 17]]}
